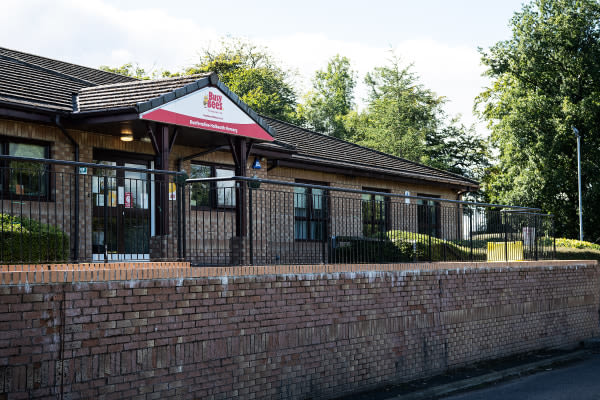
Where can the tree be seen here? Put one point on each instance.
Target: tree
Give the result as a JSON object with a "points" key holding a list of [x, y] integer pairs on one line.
{"points": [[400, 113], [455, 148], [546, 78], [128, 70], [331, 99], [251, 72]]}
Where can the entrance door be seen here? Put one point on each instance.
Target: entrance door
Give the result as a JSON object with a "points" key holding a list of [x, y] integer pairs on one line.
{"points": [[121, 220]]}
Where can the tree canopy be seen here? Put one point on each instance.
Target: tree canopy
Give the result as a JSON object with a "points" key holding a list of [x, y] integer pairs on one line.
{"points": [[251, 72], [331, 99], [546, 79], [401, 116]]}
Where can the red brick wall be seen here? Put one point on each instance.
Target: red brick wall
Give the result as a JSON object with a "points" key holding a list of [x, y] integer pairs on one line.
{"points": [[281, 336]]}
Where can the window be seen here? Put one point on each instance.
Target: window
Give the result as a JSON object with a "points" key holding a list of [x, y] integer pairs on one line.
{"points": [[216, 194], [374, 213], [24, 179], [429, 216], [310, 213]]}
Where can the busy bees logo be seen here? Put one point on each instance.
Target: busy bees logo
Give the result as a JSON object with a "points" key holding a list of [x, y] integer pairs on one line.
{"points": [[213, 101]]}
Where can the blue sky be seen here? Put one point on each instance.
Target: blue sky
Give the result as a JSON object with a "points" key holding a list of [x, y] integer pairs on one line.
{"points": [[439, 37]]}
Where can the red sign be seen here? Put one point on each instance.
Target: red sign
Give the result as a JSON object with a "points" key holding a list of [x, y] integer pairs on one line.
{"points": [[127, 199], [211, 110]]}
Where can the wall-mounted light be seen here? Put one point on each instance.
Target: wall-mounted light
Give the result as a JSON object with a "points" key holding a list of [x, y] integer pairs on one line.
{"points": [[126, 135], [256, 163]]}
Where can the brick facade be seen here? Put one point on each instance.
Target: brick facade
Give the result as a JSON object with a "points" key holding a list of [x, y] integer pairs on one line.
{"points": [[283, 335], [218, 227]]}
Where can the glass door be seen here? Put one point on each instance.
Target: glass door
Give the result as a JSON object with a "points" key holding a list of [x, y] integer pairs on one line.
{"points": [[121, 212]]}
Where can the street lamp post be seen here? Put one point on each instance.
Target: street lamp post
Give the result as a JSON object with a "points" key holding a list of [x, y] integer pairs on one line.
{"points": [[578, 136]]}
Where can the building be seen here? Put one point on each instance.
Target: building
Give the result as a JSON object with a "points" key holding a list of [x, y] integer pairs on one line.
{"points": [[113, 209]]}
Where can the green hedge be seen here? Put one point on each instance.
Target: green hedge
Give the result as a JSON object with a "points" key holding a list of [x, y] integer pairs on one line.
{"points": [[401, 246], [23, 240]]}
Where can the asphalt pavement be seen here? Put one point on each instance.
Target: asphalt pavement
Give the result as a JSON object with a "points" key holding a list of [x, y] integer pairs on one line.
{"points": [[579, 380]]}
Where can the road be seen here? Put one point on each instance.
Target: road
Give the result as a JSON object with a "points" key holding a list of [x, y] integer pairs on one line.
{"points": [[577, 381]]}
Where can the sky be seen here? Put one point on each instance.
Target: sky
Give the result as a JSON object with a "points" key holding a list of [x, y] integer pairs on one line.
{"points": [[439, 37]]}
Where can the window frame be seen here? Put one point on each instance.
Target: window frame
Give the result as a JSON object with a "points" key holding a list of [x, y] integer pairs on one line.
{"points": [[212, 188], [375, 221], [309, 211], [5, 193]]}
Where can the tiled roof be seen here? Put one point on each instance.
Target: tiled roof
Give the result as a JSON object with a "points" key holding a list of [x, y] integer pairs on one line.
{"points": [[129, 94], [315, 147], [36, 81]]}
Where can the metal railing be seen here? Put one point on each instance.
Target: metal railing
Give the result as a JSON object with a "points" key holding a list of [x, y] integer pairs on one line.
{"points": [[299, 223], [54, 211]]}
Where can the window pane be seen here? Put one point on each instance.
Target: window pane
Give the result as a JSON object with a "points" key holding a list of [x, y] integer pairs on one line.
{"points": [[98, 188], [225, 189], [300, 231], [300, 202], [26, 150], [136, 188], [28, 178], [316, 230], [199, 193]]}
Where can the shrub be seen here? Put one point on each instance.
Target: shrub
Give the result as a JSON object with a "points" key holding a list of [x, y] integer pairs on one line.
{"points": [[429, 248], [576, 244], [353, 249], [566, 253], [23, 240], [400, 246]]}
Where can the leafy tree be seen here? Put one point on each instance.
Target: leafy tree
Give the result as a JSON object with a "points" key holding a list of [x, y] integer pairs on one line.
{"points": [[331, 98], [251, 73], [134, 71], [400, 113], [546, 78], [455, 148]]}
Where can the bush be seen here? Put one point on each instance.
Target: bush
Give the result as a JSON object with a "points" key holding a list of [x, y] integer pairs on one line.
{"points": [[576, 244], [566, 253], [350, 249], [400, 246], [441, 250], [23, 240]]}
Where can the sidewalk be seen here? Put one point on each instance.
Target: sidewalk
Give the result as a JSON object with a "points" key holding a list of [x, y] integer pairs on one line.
{"points": [[480, 375]]}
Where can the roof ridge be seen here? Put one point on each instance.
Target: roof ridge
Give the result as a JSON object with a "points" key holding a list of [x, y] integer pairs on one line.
{"points": [[194, 77], [370, 149], [61, 62]]}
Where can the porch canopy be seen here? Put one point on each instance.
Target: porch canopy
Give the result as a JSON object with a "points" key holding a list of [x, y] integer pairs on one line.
{"points": [[197, 111]]}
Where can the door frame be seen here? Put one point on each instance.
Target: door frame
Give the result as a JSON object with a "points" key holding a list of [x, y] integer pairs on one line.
{"points": [[122, 158]]}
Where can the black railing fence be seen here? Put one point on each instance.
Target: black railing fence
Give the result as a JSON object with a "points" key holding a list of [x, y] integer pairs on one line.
{"points": [[62, 211], [297, 223], [56, 211]]}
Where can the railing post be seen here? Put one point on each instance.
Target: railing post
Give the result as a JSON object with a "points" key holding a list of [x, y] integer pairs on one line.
{"points": [[178, 187], [105, 217], [535, 236], [505, 236], [428, 219], [250, 222], [471, 232], [324, 213], [553, 238], [183, 220]]}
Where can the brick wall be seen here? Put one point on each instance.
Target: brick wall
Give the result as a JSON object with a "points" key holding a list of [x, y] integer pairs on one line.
{"points": [[283, 335]]}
